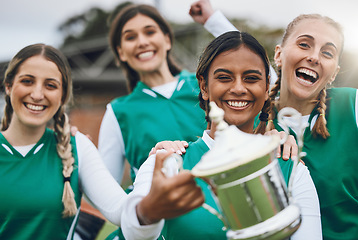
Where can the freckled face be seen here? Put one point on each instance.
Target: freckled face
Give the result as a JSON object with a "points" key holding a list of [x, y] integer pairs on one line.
{"points": [[143, 44], [237, 84], [309, 59], [36, 92]]}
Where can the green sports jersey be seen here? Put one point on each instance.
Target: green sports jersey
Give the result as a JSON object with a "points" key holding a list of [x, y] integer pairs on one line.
{"points": [[146, 117], [199, 223], [31, 191], [333, 165]]}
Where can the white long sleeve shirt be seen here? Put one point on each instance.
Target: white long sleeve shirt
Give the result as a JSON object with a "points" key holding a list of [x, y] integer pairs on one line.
{"points": [[303, 191]]}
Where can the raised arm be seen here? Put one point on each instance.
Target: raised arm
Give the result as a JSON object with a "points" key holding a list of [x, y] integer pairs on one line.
{"points": [[213, 21], [201, 10]]}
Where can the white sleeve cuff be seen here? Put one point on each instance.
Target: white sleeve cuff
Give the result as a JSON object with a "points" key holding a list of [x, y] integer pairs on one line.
{"points": [[131, 227], [218, 24]]}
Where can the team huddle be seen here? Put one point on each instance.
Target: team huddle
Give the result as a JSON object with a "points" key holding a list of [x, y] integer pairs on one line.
{"points": [[45, 169]]}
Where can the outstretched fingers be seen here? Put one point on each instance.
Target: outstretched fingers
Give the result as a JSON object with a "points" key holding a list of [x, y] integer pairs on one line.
{"points": [[289, 148], [179, 147]]}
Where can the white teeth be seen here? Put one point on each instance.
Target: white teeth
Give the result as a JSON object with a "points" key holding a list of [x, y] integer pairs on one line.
{"points": [[237, 104], [306, 82], [145, 55], [308, 72], [35, 107]]}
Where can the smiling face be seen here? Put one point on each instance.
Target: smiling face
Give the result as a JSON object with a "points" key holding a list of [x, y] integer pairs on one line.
{"points": [[308, 60], [35, 93], [143, 44], [237, 83]]}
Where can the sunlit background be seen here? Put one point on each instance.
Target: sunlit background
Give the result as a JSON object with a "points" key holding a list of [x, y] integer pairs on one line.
{"points": [[24, 22], [96, 78]]}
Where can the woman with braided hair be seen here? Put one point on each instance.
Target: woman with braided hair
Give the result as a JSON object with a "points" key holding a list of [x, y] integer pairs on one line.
{"points": [[233, 72], [39, 166], [308, 62], [43, 172]]}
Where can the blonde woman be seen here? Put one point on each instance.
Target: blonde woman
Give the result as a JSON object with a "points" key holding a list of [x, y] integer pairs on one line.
{"points": [[44, 172], [308, 62]]}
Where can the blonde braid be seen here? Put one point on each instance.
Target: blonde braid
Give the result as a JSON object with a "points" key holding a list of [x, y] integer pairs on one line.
{"points": [[272, 96], [320, 127], [62, 128], [5, 122], [64, 149]]}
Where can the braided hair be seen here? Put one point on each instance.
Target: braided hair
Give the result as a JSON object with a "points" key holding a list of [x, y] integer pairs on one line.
{"points": [[320, 128], [61, 121]]}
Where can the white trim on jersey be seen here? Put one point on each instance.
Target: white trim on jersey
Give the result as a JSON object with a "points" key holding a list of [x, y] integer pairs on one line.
{"points": [[73, 225]]}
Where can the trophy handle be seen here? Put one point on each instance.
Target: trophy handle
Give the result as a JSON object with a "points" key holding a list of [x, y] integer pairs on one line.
{"points": [[291, 112], [172, 165]]}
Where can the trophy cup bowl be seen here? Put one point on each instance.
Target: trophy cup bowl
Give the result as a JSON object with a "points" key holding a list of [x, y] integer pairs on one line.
{"points": [[248, 185]]}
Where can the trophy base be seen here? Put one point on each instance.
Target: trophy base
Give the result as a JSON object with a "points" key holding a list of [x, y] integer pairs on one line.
{"points": [[278, 227]]}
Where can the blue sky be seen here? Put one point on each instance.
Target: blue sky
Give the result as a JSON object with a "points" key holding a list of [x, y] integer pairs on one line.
{"points": [[24, 22]]}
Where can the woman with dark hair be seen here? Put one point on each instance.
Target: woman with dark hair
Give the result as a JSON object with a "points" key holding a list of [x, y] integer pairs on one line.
{"points": [[307, 61], [233, 72], [162, 103]]}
